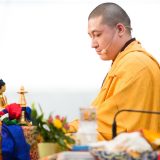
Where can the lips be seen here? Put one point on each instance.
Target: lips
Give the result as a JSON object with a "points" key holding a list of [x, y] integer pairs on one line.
{"points": [[98, 52]]}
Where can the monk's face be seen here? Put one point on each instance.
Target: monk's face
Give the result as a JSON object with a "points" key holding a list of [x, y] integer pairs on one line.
{"points": [[103, 38]]}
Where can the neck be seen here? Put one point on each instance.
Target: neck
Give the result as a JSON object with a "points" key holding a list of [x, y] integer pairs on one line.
{"points": [[122, 42]]}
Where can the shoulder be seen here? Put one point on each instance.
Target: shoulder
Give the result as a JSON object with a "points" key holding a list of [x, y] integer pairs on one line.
{"points": [[138, 61], [135, 58], [137, 64]]}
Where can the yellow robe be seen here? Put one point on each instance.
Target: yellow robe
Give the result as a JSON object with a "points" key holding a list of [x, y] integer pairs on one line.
{"points": [[132, 83]]}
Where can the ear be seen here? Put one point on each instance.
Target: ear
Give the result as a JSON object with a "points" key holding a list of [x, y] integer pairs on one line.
{"points": [[121, 29]]}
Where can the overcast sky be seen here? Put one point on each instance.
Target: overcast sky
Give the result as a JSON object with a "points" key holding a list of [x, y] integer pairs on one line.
{"points": [[45, 45]]}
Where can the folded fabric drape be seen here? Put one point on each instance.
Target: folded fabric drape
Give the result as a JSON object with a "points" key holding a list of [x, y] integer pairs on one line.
{"points": [[14, 145]]}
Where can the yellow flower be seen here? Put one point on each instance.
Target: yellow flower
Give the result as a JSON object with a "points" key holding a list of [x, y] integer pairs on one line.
{"points": [[64, 130], [57, 123]]}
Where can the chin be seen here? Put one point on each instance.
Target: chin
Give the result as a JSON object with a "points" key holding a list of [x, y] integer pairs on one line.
{"points": [[104, 58]]}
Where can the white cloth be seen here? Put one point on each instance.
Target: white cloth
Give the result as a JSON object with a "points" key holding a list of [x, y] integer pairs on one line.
{"points": [[125, 142]]}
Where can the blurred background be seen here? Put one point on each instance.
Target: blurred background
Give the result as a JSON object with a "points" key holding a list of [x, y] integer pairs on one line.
{"points": [[44, 46]]}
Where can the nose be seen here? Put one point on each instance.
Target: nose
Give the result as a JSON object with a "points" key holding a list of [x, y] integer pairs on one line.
{"points": [[94, 43]]}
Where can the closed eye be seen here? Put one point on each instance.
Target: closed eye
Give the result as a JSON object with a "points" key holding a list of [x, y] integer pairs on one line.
{"points": [[94, 34], [97, 34]]}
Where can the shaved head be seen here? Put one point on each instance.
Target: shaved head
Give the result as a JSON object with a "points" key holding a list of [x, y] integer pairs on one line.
{"points": [[111, 14]]}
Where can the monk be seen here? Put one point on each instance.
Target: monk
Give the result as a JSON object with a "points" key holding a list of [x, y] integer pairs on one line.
{"points": [[133, 81]]}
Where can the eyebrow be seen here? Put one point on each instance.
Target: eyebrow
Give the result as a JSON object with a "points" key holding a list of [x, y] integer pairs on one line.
{"points": [[92, 32]]}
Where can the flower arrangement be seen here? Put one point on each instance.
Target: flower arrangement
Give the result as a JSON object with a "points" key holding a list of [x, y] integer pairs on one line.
{"points": [[54, 129]]}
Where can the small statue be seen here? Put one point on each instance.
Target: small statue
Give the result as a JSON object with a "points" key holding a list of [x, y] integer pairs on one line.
{"points": [[22, 99], [23, 103], [3, 99]]}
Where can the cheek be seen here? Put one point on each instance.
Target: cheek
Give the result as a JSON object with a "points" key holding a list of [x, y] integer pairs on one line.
{"points": [[102, 43]]}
